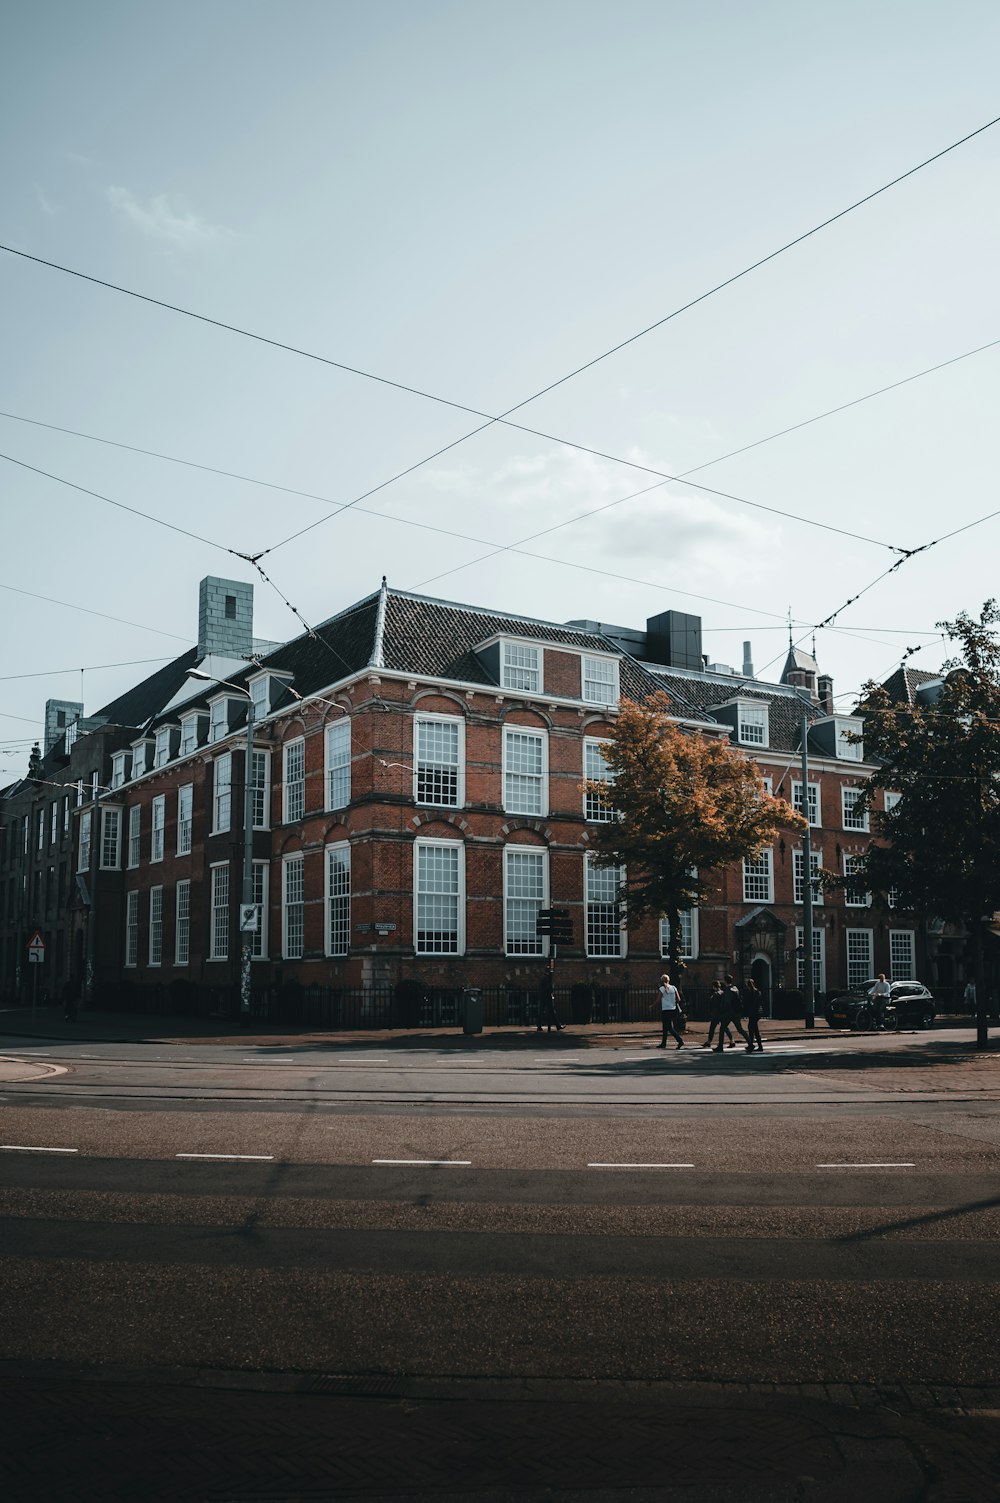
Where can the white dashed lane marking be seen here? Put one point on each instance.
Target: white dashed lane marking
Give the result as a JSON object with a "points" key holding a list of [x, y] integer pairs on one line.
{"points": [[904, 1165], [640, 1166], [33, 1148], [453, 1163], [255, 1157]]}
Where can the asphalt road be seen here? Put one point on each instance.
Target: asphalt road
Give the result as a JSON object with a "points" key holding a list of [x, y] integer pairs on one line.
{"points": [[825, 1214]]}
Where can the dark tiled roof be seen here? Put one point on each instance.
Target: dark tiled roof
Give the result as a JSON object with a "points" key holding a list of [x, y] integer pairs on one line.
{"points": [[902, 685], [144, 700], [785, 709], [341, 646]]}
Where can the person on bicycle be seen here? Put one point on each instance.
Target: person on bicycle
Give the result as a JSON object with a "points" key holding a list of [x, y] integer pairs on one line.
{"points": [[878, 997]]}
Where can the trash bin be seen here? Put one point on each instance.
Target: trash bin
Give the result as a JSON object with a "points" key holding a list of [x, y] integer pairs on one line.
{"points": [[472, 1009]]}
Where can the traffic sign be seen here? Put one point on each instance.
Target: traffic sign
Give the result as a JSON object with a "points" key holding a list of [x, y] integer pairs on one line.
{"points": [[249, 918], [36, 949]]}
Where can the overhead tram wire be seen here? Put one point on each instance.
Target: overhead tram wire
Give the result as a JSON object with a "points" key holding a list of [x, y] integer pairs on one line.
{"points": [[120, 620], [551, 386], [87, 668]]}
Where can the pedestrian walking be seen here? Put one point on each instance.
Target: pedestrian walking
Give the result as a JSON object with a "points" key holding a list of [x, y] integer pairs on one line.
{"points": [[754, 998], [669, 999], [732, 1011], [878, 997], [547, 1014], [716, 1009]]}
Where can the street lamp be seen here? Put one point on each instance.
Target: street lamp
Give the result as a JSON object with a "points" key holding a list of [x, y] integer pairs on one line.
{"points": [[247, 902]]}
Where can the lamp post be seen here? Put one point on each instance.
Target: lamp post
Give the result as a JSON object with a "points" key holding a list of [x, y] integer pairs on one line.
{"points": [[247, 908]]}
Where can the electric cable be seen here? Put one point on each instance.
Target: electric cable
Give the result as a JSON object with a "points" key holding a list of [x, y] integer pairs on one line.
{"points": [[120, 620], [87, 668]]}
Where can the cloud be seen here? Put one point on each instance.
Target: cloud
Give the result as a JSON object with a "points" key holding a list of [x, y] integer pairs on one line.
{"points": [[173, 226], [44, 203]]}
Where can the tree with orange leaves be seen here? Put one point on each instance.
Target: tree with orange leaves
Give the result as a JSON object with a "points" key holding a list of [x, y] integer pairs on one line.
{"points": [[686, 804]]}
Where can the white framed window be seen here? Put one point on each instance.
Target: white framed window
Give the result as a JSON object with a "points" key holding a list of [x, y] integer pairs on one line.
{"points": [[294, 754], [260, 694], [53, 822], [182, 923], [65, 815], [752, 725], [118, 773], [798, 867], [855, 896], [890, 800], [525, 891], [854, 818], [819, 959], [689, 934], [439, 760], [222, 793], [40, 817], [521, 667], [159, 808], [79, 797], [812, 810], [72, 735], [131, 928], [111, 839], [758, 878], [603, 910], [134, 833], [439, 888], [83, 857], [338, 898], [767, 784], [218, 720], [258, 937], [596, 770], [599, 678], [338, 764], [185, 805], [260, 789], [218, 939], [156, 926], [849, 751], [161, 750], [293, 907], [189, 734], [525, 771], [892, 897], [902, 955], [860, 952]]}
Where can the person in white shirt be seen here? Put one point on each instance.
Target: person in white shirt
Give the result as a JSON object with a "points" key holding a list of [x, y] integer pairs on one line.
{"points": [[879, 996], [670, 1011]]}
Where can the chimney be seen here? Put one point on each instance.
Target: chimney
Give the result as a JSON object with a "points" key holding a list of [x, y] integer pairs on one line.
{"points": [[747, 661], [225, 618], [825, 688]]}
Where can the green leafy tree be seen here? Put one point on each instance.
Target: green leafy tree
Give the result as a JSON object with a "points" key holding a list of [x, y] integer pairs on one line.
{"points": [[942, 838], [685, 803]]}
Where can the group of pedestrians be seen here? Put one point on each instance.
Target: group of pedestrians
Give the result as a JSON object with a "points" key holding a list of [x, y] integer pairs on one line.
{"points": [[728, 1008]]}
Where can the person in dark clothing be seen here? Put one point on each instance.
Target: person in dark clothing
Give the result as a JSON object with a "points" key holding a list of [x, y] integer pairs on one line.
{"points": [[547, 1014], [732, 1011], [716, 1003], [755, 1007]]}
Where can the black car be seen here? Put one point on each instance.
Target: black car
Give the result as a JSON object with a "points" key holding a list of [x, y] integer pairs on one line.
{"points": [[910, 1006]]}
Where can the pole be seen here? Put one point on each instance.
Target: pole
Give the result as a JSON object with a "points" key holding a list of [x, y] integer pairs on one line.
{"points": [[90, 964], [809, 986], [245, 951]]}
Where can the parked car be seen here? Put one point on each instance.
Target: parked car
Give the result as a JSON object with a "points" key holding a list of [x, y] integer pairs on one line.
{"points": [[910, 1005]]}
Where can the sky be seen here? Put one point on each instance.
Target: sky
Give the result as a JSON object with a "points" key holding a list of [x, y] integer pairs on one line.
{"points": [[474, 201]]}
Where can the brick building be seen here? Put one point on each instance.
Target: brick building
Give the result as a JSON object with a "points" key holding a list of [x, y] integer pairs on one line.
{"points": [[416, 777]]}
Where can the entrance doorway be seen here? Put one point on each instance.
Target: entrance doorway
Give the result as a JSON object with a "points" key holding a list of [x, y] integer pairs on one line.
{"points": [[760, 971]]}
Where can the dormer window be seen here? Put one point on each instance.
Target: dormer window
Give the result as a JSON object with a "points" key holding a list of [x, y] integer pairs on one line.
{"points": [[522, 667], [161, 753], [119, 769], [260, 693], [189, 734], [218, 725], [847, 750], [752, 727], [600, 681]]}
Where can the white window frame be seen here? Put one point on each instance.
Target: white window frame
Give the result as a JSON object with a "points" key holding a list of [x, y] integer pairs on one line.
{"points": [[847, 751], [260, 878], [132, 929], [189, 735], [118, 778], [850, 858], [849, 798], [541, 779], [260, 695], [337, 910], [155, 952], [293, 792], [903, 968], [519, 939], [752, 724], [798, 886], [858, 974], [218, 718], [755, 874], [813, 799], [890, 800], [690, 936], [182, 922], [432, 767], [293, 881], [157, 833], [222, 794], [161, 746], [83, 847], [459, 896], [337, 769], [260, 789], [134, 836], [594, 812], [65, 814], [111, 839], [596, 685], [220, 916], [54, 822], [185, 818], [819, 959], [521, 666], [593, 908]]}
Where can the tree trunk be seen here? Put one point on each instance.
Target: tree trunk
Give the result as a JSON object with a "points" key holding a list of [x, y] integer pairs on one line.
{"points": [[677, 966]]}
